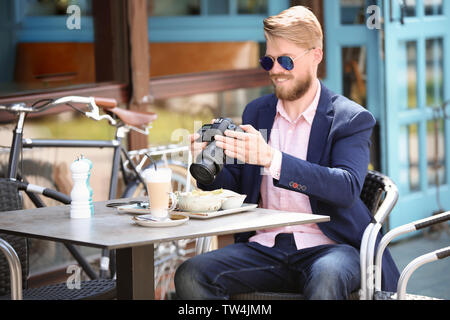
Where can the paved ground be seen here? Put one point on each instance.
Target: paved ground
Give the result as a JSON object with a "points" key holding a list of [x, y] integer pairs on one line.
{"points": [[432, 279]]}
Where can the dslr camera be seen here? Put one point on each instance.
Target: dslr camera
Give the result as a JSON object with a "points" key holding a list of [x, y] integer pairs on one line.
{"points": [[212, 159]]}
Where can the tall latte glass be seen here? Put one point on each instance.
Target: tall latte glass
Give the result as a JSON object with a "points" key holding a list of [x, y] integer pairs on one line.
{"points": [[159, 191]]}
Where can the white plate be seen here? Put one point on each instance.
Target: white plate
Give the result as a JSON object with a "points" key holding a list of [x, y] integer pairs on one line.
{"points": [[170, 222], [208, 215]]}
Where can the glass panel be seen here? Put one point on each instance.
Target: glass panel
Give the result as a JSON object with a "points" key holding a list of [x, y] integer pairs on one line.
{"points": [[433, 7], [57, 7], [434, 72], [42, 63], [180, 116], [252, 6], [352, 12], [436, 152], [403, 152], [413, 154], [218, 7], [410, 8], [409, 158], [354, 74], [158, 8], [407, 75]]}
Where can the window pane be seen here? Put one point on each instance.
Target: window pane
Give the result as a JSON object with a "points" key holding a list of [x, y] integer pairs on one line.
{"points": [[352, 12], [180, 116], [173, 8], [47, 49], [433, 7], [414, 171], [409, 158], [435, 76], [354, 74], [217, 7], [407, 75], [436, 152], [50, 8], [252, 6], [410, 8]]}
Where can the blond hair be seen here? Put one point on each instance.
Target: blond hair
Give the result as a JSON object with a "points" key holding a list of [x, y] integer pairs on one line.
{"points": [[296, 24]]}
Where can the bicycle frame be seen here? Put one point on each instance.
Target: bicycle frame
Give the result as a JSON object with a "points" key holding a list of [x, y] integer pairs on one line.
{"points": [[130, 166], [19, 143]]}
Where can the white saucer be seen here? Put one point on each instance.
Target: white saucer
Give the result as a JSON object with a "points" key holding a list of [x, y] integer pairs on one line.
{"points": [[173, 220]]}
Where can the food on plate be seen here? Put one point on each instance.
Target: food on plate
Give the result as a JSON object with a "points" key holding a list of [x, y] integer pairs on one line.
{"points": [[208, 201]]}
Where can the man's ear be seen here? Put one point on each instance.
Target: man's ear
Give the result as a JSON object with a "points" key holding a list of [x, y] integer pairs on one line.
{"points": [[318, 55]]}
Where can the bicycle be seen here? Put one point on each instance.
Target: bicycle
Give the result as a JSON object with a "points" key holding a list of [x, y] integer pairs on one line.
{"points": [[129, 163]]}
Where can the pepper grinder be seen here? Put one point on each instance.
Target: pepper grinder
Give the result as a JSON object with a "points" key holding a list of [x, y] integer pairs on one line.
{"points": [[81, 206]]}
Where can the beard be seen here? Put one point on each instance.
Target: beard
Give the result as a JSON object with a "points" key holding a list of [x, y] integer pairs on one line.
{"points": [[296, 91]]}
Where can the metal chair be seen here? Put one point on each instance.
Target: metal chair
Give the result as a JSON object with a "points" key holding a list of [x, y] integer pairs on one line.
{"points": [[413, 265], [380, 195], [14, 268]]}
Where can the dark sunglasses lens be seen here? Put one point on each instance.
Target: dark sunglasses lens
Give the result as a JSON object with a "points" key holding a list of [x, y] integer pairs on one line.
{"points": [[266, 63], [286, 62]]}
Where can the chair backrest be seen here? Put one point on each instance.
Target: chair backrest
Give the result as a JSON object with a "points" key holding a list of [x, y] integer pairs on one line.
{"points": [[373, 191], [10, 199]]}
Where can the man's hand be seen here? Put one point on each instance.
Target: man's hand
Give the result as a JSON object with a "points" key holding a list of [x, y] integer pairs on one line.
{"points": [[196, 147], [249, 146]]}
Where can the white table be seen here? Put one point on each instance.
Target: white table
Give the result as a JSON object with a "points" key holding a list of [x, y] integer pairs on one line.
{"points": [[134, 244]]}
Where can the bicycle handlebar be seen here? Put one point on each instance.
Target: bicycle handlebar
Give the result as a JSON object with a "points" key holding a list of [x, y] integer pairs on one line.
{"points": [[92, 103]]}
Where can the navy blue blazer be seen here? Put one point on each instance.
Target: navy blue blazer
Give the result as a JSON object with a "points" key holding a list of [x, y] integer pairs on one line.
{"points": [[332, 176]]}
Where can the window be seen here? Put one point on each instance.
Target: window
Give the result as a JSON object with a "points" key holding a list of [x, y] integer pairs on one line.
{"points": [[49, 47]]}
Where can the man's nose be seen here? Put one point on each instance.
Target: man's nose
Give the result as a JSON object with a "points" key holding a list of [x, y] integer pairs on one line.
{"points": [[277, 68]]}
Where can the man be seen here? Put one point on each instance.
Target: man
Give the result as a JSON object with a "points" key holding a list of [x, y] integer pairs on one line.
{"points": [[315, 161]]}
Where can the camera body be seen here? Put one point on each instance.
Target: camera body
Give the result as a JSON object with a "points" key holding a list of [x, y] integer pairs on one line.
{"points": [[212, 159]]}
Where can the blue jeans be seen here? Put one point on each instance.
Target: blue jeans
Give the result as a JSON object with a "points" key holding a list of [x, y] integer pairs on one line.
{"points": [[327, 272]]}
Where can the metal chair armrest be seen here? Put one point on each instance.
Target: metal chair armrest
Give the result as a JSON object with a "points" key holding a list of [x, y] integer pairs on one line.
{"points": [[414, 265], [382, 213], [407, 228], [363, 260], [389, 202], [14, 268]]}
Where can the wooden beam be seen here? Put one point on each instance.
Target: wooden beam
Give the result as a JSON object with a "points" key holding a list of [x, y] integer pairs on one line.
{"points": [[111, 41], [140, 65], [197, 83]]}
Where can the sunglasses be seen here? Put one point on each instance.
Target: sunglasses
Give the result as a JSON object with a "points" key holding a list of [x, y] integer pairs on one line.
{"points": [[286, 62]]}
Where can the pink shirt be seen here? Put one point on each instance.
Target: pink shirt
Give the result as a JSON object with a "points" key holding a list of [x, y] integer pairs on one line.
{"points": [[291, 137]]}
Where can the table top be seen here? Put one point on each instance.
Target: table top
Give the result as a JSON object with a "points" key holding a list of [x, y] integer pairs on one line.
{"points": [[113, 230]]}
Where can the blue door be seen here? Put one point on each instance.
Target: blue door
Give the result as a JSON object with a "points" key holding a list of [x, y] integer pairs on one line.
{"points": [[417, 83]]}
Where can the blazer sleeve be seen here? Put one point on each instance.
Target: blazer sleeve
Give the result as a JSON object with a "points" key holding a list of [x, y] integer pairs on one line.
{"points": [[341, 183]]}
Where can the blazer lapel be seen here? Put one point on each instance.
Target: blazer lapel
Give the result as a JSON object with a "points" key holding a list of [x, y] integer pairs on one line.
{"points": [[320, 126]]}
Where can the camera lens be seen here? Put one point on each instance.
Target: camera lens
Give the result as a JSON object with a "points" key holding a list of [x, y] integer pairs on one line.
{"points": [[203, 173]]}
